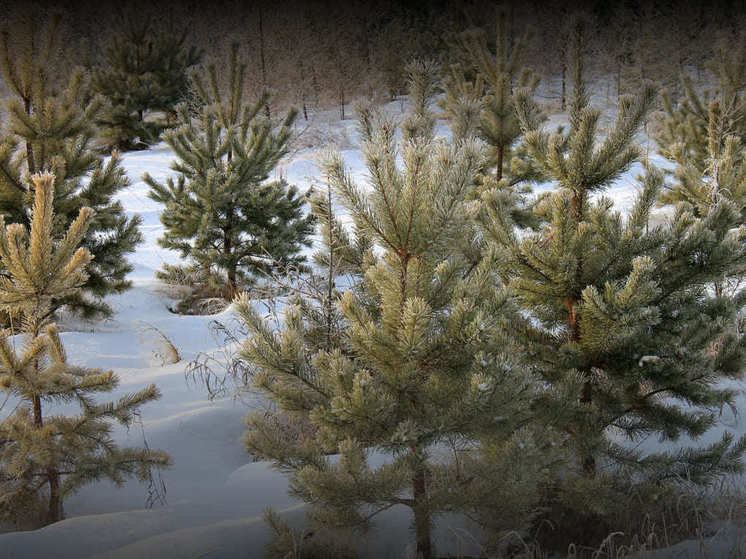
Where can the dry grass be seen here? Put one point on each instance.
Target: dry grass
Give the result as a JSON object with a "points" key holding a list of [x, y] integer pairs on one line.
{"points": [[164, 349], [687, 523]]}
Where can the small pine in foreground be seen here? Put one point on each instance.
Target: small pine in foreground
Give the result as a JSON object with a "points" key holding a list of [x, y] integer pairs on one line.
{"points": [[412, 364], [44, 456]]}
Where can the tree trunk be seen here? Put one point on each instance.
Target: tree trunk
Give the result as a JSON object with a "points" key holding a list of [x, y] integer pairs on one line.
{"points": [[511, 28], [342, 102], [366, 45], [330, 284], [29, 147], [262, 60], [420, 504], [54, 514], [231, 289], [589, 467], [500, 150], [586, 396], [38, 423], [54, 511], [421, 514], [302, 72], [608, 90], [564, 84], [315, 86]]}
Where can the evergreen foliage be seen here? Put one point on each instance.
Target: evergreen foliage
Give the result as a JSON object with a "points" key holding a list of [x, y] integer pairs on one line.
{"points": [[414, 365], [462, 102], [704, 135], [482, 91], [51, 128], [303, 544], [55, 454], [221, 212], [143, 78], [499, 79], [619, 321]]}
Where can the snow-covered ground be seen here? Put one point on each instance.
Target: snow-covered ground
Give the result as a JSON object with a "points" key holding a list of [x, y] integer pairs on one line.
{"points": [[214, 494]]}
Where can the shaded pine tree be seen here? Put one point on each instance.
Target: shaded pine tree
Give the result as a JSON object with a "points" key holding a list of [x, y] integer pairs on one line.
{"points": [[221, 212], [40, 453], [462, 102], [339, 261], [415, 365], [420, 121], [143, 77], [51, 128], [481, 94], [704, 135], [499, 77], [618, 319]]}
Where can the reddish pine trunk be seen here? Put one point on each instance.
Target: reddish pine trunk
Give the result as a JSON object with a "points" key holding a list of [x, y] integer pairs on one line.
{"points": [[262, 60], [38, 423], [231, 288]]}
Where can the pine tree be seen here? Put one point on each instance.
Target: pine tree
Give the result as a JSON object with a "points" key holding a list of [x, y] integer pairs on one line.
{"points": [[499, 77], [414, 364], [421, 76], [221, 212], [485, 107], [314, 298], [339, 260], [462, 102], [51, 128], [144, 77], [618, 319], [704, 135], [55, 453]]}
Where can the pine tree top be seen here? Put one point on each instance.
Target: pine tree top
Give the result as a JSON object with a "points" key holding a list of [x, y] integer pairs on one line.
{"points": [[575, 158], [43, 270]]}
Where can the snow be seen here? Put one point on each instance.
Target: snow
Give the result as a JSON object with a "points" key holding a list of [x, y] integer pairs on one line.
{"points": [[214, 494]]}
